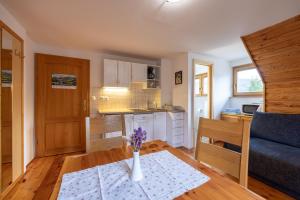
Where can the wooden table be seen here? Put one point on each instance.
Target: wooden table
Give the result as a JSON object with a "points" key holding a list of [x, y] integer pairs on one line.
{"points": [[218, 187]]}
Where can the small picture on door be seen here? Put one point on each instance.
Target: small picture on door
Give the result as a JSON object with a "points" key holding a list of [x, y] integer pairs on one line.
{"points": [[64, 81], [6, 78]]}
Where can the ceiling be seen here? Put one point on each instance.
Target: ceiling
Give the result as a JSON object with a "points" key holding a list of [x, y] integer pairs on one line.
{"points": [[149, 27]]}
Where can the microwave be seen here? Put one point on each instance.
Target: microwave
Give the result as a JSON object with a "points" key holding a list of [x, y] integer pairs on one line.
{"points": [[250, 109]]}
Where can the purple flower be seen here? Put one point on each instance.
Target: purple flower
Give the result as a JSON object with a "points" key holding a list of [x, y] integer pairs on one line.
{"points": [[137, 138]]}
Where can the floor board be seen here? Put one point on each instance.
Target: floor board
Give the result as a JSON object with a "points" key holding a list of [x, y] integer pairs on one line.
{"points": [[6, 175], [41, 175]]}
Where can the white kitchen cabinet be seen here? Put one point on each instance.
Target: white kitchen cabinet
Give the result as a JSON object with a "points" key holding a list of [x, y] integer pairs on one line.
{"points": [[139, 72], [116, 73], [124, 74], [145, 121], [113, 134], [128, 125], [110, 75], [160, 126], [175, 129]]}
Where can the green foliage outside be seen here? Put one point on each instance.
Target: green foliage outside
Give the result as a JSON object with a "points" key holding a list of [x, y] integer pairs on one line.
{"points": [[256, 85]]}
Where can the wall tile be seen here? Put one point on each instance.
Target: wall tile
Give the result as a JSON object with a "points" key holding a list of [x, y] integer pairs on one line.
{"points": [[135, 97]]}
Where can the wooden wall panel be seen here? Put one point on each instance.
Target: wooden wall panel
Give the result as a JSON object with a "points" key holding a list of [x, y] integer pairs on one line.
{"points": [[276, 53]]}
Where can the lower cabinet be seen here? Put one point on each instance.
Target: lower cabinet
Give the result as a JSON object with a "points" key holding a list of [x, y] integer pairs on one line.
{"points": [[154, 124], [175, 129], [145, 121], [128, 124], [159, 126]]}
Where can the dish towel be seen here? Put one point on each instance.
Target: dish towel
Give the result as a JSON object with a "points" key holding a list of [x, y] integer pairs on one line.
{"points": [[165, 177]]}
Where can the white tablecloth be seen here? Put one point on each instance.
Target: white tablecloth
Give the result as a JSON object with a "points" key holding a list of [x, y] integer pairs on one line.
{"points": [[165, 177]]}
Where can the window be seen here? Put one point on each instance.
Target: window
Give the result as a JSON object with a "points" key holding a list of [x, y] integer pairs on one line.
{"points": [[201, 85], [247, 81]]}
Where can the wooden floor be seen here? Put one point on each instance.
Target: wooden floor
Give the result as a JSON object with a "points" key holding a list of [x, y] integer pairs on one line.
{"points": [[41, 175], [6, 175]]}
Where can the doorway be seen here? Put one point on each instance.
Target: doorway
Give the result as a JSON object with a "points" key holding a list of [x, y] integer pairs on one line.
{"points": [[202, 94]]}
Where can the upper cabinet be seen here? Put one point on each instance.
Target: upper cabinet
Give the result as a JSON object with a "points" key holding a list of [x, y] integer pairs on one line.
{"points": [[139, 72], [110, 73], [122, 74], [117, 73]]}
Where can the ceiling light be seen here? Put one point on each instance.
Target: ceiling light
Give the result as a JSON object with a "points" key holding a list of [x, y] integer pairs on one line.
{"points": [[172, 1]]}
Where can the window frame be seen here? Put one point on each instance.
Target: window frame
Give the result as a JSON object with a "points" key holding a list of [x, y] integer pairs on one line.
{"points": [[237, 69], [201, 78]]}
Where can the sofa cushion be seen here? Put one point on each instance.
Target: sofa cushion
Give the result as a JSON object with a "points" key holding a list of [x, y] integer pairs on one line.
{"points": [[281, 128], [275, 162]]}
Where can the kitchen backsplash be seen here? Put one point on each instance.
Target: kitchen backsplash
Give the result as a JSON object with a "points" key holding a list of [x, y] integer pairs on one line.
{"points": [[134, 97]]}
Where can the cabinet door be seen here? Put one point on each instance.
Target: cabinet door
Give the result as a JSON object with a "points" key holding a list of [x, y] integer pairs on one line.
{"points": [[139, 72], [110, 73], [129, 125], [146, 123], [124, 74], [160, 126]]}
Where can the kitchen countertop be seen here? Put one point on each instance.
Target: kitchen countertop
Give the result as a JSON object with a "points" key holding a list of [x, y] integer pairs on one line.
{"points": [[137, 111]]}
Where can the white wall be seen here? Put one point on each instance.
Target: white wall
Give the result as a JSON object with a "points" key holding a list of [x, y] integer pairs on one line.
{"points": [[29, 87], [183, 94], [241, 61], [10, 21], [167, 80]]}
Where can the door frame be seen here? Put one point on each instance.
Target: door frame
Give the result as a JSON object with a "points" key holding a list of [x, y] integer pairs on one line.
{"points": [[20, 152], [210, 91]]}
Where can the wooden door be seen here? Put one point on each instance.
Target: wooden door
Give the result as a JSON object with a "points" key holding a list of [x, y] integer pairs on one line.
{"points": [[61, 107]]}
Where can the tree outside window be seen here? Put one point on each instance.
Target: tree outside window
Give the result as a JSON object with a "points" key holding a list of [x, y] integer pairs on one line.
{"points": [[247, 81]]}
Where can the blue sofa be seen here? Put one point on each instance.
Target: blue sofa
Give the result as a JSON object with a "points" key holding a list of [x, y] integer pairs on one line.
{"points": [[274, 155]]}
